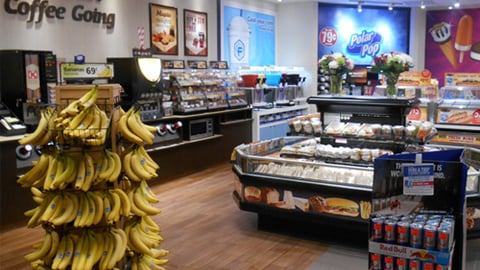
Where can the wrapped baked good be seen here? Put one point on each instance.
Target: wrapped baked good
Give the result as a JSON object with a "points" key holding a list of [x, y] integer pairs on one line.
{"points": [[317, 126], [356, 154], [366, 131], [351, 129], [424, 130], [307, 127], [366, 154], [334, 128], [387, 132], [377, 130]]}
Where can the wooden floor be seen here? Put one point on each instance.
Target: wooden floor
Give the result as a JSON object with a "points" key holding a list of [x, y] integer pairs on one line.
{"points": [[203, 229]]}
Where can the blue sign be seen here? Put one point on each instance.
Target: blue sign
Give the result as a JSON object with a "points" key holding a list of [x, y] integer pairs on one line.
{"points": [[239, 50]]}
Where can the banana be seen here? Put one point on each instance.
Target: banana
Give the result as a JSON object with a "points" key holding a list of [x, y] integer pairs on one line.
{"points": [[147, 192], [148, 225], [81, 171], [38, 212], [142, 203], [108, 250], [97, 198], [125, 202], [89, 172], [127, 167], [42, 250], [125, 130], [149, 159], [38, 171], [67, 172], [136, 241], [51, 133], [60, 254], [82, 209], [154, 263], [138, 128], [120, 246], [80, 252], [37, 192], [108, 166], [71, 204], [51, 173], [107, 206], [89, 98], [38, 133], [117, 167], [69, 252], [116, 205], [53, 209], [71, 109], [80, 122], [157, 253], [90, 215], [93, 247], [48, 258], [135, 210], [138, 168]]}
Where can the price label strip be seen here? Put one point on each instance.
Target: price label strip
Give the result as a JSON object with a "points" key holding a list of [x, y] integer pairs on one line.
{"points": [[418, 179], [86, 71]]}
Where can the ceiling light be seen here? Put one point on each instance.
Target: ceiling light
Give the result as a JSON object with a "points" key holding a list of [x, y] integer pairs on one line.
{"points": [[457, 4], [450, 7], [390, 6], [422, 5], [359, 9], [279, 0]]}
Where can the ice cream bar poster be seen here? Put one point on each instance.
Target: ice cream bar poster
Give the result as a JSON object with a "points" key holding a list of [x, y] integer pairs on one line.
{"points": [[248, 38], [362, 35], [452, 42]]}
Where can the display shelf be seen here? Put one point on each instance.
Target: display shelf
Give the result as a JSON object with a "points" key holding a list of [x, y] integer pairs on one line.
{"points": [[271, 123], [182, 143]]}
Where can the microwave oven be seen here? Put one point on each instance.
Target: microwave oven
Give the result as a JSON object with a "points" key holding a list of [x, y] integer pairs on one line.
{"points": [[198, 128]]}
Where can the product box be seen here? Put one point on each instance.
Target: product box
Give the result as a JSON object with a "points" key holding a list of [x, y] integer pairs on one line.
{"points": [[418, 210], [462, 79]]}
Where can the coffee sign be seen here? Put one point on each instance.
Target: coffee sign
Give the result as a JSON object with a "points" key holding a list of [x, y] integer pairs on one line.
{"points": [[37, 10]]}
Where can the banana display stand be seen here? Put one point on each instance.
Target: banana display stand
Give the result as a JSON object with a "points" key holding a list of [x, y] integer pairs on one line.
{"points": [[90, 185], [418, 204]]}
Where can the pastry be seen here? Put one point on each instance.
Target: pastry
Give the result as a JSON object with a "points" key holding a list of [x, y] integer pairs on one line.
{"points": [[252, 194]]}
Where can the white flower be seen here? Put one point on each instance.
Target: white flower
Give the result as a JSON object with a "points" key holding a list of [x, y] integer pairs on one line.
{"points": [[333, 65]]}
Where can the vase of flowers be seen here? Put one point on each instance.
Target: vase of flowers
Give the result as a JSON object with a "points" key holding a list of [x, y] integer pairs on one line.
{"points": [[391, 65], [336, 64]]}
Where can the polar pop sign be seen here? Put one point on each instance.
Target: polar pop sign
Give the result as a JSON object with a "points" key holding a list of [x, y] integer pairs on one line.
{"points": [[37, 10]]}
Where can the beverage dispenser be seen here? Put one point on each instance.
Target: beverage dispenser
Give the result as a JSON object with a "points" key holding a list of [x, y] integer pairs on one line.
{"points": [[140, 78]]}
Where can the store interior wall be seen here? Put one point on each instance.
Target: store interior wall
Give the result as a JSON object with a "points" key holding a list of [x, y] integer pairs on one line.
{"points": [[296, 31]]}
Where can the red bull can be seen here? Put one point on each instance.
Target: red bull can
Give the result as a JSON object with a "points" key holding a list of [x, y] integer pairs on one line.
{"points": [[389, 231], [401, 263], [415, 264], [428, 266], [388, 263], [377, 229], [402, 233], [376, 263], [429, 237], [416, 235], [443, 241]]}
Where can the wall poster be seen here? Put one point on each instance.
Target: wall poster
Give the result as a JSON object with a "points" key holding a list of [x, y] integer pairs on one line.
{"points": [[452, 42], [195, 33], [248, 38], [163, 30]]}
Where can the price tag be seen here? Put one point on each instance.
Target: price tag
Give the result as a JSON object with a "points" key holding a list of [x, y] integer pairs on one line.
{"points": [[418, 179], [86, 71], [328, 36]]}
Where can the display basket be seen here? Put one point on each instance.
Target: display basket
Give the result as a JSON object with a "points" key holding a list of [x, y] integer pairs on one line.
{"points": [[92, 130]]}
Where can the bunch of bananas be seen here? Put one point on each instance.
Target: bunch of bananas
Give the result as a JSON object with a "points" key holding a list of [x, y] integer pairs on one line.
{"points": [[45, 131], [132, 128], [83, 121], [108, 168], [37, 174], [143, 235], [138, 165], [84, 250], [140, 197], [144, 261], [82, 208]]}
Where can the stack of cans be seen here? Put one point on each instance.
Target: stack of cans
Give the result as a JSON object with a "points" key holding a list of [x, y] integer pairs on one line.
{"points": [[429, 232]]}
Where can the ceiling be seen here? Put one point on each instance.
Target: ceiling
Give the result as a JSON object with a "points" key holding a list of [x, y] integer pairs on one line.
{"points": [[432, 4]]}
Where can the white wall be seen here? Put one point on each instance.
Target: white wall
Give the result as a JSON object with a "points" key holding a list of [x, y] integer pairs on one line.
{"points": [[67, 38]]}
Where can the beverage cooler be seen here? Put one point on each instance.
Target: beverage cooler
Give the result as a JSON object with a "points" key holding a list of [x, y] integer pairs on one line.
{"points": [[27, 77]]}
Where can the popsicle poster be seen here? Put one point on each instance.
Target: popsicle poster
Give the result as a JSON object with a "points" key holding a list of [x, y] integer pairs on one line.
{"points": [[452, 42]]}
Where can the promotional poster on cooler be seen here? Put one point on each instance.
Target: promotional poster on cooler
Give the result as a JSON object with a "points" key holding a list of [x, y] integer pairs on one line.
{"points": [[418, 211], [451, 42]]}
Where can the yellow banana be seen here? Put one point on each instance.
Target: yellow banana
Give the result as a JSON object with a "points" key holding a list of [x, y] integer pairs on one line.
{"points": [[66, 173], [141, 202], [60, 254], [147, 227], [37, 192], [147, 192], [81, 171], [97, 197], [107, 206], [108, 166], [138, 128], [53, 248], [136, 163], [80, 252], [157, 253], [54, 207], [81, 213], [51, 173], [135, 210], [90, 216], [38, 133], [125, 202], [89, 98], [70, 204], [136, 242], [114, 215], [117, 167], [39, 170], [94, 245], [68, 254], [149, 159], [120, 246], [125, 130], [108, 250], [51, 133], [42, 250], [89, 172], [127, 167]]}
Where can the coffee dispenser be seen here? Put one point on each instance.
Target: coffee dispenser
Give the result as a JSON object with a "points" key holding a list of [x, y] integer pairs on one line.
{"points": [[140, 78]]}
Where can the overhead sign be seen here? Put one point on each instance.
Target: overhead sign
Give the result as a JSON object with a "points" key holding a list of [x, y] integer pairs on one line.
{"points": [[86, 71]]}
